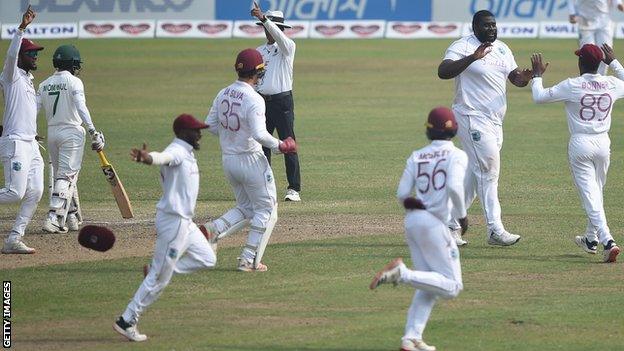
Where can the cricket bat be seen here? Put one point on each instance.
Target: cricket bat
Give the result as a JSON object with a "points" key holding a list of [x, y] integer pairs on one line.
{"points": [[118, 190]]}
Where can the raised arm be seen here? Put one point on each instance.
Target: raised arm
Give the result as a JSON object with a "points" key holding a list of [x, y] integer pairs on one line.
{"points": [[520, 78], [285, 44], [572, 11], [540, 95], [612, 61], [452, 68], [10, 63]]}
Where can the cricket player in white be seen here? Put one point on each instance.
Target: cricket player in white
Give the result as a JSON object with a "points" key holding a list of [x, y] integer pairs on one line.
{"points": [[435, 174], [62, 97], [588, 101], [594, 22], [237, 117], [481, 65], [19, 150], [180, 245]]}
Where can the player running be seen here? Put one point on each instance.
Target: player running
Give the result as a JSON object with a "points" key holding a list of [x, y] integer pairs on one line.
{"points": [[63, 99], [435, 174], [237, 117], [588, 101]]}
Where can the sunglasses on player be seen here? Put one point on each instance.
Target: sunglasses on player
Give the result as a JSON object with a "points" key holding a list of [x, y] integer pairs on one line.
{"points": [[31, 53]]}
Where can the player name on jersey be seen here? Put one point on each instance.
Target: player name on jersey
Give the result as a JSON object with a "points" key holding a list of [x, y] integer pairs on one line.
{"points": [[234, 94], [54, 87], [435, 154]]}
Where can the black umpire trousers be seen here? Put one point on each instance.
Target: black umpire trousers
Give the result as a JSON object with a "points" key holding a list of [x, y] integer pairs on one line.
{"points": [[280, 115]]}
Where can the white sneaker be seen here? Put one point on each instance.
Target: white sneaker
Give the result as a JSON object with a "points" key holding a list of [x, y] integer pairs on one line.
{"points": [[292, 195], [456, 234], [128, 331], [17, 247], [209, 229], [503, 239], [611, 251], [245, 265], [587, 246], [415, 345], [73, 223], [389, 274], [51, 225]]}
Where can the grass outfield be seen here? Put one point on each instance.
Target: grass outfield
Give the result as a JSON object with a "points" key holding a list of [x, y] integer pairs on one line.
{"points": [[360, 109]]}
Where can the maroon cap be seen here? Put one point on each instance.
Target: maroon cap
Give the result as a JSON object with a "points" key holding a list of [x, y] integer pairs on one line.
{"points": [[249, 60], [29, 45], [96, 238], [441, 119], [186, 121], [590, 54]]}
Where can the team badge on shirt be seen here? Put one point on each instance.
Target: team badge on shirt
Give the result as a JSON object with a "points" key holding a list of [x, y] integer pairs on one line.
{"points": [[17, 166], [269, 178], [454, 254], [173, 253], [476, 136], [501, 50]]}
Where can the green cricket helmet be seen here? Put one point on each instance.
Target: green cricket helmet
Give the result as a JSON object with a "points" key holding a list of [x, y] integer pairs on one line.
{"points": [[66, 57]]}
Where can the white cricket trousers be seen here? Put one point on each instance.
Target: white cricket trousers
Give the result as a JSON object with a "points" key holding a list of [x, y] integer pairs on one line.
{"points": [[603, 34], [437, 270], [180, 248], [482, 141], [252, 181], [23, 180], [589, 155], [66, 148]]}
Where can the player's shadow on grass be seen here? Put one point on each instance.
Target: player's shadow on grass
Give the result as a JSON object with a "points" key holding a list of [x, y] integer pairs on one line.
{"points": [[294, 348]]}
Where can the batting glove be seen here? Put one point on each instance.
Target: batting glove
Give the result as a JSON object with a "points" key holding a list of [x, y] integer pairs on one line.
{"points": [[97, 140]]}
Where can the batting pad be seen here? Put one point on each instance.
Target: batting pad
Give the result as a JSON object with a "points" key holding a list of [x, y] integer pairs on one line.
{"points": [[96, 238]]}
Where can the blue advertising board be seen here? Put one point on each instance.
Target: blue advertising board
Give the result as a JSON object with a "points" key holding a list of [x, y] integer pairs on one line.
{"points": [[392, 10]]}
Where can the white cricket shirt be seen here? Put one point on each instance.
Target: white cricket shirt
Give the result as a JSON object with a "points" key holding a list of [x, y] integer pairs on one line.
{"points": [[480, 90], [237, 115], [20, 98], [179, 180], [595, 13], [435, 174], [60, 96], [588, 99], [278, 60]]}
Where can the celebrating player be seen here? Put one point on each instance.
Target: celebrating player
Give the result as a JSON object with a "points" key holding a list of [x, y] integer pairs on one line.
{"points": [[63, 99], [588, 101], [481, 65], [19, 150], [237, 117], [435, 174], [276, 89], [594, 22], [180, 245]]}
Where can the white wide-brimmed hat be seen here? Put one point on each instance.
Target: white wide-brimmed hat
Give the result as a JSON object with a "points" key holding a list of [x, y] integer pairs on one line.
{"points": [[276, 17]]}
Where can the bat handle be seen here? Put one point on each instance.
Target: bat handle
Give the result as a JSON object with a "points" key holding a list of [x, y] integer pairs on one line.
{"points": [[103, 159]]}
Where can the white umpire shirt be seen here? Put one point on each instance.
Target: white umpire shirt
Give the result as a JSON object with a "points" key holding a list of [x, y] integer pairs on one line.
{"points": [[436, 174], [278, 60], [62, 95], [588, 99], [594, 12], [179, 178], [480, 90], [20, 98], [238, 116]]}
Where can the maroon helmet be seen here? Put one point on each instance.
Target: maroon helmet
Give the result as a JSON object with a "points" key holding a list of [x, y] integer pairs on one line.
{"points": [[441, 123]]}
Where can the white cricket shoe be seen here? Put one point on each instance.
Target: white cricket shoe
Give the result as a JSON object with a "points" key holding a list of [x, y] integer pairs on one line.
{"points": [[17, 247], [503, 239], [456, 234], [73, 223], [292, 195], [209, 229], [128, 331], [611, 251], [51, 225], [415, 345], [245, 265], [389, 274], [590, 247]]}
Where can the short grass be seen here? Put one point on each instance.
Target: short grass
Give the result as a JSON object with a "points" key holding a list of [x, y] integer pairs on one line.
{"points": [[360, 108]]}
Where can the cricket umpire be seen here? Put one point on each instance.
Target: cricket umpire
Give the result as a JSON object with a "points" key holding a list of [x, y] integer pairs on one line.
{"points": [[276, 89]]}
